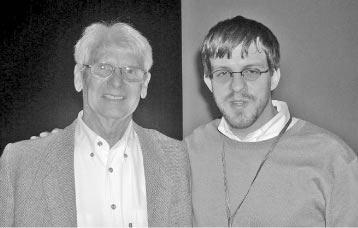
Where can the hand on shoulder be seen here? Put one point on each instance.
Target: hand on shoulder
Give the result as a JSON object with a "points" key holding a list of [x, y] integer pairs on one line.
{"points": [[46, 133]]}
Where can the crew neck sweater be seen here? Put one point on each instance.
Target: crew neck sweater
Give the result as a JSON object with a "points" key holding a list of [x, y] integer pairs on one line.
{"points": [[310, 179]]}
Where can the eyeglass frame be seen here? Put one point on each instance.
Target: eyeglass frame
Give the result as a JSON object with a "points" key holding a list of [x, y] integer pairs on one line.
{"points": [[114, 69], [211, 75]]}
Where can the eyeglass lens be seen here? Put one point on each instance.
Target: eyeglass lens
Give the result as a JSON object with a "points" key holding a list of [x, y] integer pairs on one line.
{"points": [[105, 70], [225, 76]]}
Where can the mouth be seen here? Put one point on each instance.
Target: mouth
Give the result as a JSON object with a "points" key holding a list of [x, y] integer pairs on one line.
{"points": [[113, 97], [239, 103]]}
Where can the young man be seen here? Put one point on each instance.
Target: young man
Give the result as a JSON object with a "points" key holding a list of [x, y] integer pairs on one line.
{"points": [[258, 165]]}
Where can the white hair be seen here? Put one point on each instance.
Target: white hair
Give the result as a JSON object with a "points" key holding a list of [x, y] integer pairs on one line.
{"points": [[118, 35]]}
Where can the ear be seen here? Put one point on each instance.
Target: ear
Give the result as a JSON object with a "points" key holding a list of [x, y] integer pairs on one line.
{"points": [[78, 79], [208, 82], [275, 78], [143, 92]]}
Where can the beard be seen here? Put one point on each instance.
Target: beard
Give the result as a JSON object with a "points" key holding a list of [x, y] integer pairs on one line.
{"points": [[243, 118]]}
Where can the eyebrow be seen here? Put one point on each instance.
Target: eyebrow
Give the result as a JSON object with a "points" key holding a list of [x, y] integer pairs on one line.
{"points": [[255, 65], [243, 67]]}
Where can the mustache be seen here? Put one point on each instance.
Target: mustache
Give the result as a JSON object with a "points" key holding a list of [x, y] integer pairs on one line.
{"points": [[245, 95]]}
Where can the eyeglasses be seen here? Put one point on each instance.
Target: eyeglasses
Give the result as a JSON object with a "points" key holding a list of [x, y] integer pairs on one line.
{"points": [[223, 76], [106, 70]]}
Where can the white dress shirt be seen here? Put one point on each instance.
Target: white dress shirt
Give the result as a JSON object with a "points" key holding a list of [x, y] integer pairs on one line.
{"points": [[110, 182], [269, 130]]}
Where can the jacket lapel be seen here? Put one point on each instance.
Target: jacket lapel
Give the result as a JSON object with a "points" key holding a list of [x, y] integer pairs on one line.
{"points": [[158, 184], [59, 184]]}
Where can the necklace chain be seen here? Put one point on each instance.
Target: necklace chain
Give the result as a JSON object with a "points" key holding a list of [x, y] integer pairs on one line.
{"points": [[231, 217]]}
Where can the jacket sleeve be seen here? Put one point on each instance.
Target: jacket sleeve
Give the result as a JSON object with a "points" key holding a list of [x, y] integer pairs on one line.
{"points": [[181, 212], [185, 198], [6, 190]]}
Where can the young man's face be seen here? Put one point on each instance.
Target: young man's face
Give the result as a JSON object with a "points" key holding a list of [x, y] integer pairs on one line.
{"points": [[244, 104]]}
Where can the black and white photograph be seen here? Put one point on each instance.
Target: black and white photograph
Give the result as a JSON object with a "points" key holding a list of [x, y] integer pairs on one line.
{"points": [[179, 113]]}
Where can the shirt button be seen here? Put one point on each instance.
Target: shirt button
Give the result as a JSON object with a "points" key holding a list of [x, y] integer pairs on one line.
{"points": [[92, 154], [99, 143], [125, 155], [113, 206], [110, 170]]}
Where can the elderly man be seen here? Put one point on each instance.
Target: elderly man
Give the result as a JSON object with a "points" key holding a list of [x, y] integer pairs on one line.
{"points": [[103, 169], [258, 165]]}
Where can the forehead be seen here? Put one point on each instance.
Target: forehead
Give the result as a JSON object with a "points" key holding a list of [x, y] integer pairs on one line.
{"points": [[255, 55], [117, 56]]}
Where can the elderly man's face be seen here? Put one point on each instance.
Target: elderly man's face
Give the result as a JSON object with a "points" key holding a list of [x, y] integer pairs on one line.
{"points": [[112, 98]]}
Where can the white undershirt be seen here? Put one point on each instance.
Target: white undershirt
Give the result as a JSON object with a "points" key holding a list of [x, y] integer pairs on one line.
{"points": [[269, 130], [110, 182]]}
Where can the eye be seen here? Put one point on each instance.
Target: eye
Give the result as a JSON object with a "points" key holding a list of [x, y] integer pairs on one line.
{"points": [[251, 71], [221, 73], [130, 70], [104, 67]]}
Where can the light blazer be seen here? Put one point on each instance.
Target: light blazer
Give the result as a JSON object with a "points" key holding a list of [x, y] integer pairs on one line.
{"points": [[37, 186]]}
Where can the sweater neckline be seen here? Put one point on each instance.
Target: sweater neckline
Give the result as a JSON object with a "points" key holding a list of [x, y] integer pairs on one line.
{"points": [[264, 143]]}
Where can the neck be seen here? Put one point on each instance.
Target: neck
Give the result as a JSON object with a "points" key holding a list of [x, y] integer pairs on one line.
{"points": [[268, 113], [112, 130]]}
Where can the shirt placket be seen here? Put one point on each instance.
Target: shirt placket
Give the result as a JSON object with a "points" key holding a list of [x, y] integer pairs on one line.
{"points": [[106, 158]]}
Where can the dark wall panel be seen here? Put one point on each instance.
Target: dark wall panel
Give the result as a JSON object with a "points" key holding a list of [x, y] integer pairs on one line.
{"points": [[36, 65]]}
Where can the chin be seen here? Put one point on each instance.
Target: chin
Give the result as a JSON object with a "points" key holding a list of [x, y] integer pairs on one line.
{"points": [[117, 111], [115, 114], [240, 122], [239, 119]]}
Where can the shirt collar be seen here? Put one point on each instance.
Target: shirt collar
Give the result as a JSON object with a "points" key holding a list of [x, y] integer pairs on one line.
{"points": [[83, 132], [269, 130]]}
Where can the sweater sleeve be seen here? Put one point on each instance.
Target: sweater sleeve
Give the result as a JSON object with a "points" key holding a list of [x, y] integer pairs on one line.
{"points": [[342, 206], [6, 191]]}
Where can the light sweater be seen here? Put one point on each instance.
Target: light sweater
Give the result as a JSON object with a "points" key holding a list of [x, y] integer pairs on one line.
{"points": [[310, 179]]}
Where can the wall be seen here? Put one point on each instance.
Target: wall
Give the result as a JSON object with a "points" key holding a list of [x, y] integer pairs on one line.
{"points": [[319, 73]]}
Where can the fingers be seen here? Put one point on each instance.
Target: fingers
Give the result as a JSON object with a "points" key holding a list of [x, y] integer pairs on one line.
{"points": [[44, 134], [55, 130]]}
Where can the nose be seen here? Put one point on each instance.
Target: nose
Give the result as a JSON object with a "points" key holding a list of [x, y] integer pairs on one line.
{"points": [[116, 79], [238, 83]]}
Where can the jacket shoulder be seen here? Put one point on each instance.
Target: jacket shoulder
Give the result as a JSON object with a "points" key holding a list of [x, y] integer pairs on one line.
{"points": [[171, 152], [159, 138], [26, 152]]}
